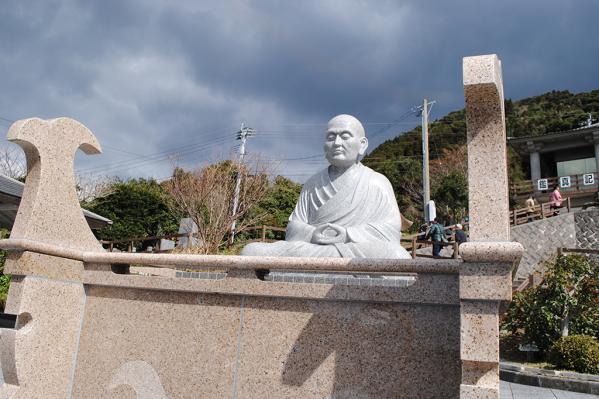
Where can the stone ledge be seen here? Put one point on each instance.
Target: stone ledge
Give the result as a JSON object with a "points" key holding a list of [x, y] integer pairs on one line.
{"points": [[498, 251], [564, 380]]}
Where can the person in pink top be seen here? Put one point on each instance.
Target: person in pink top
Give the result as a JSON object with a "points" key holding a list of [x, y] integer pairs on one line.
{"points": [[555, 199]]}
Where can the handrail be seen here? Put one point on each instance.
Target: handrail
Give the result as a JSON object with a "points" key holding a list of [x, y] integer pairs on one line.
{"points": [[542, 210], [192, 261], [529, 282], [592, 251], [577, 185], [414, 241]]}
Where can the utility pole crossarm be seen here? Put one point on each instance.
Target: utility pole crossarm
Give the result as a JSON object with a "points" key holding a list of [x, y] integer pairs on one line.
{"points": [[242, 135]]}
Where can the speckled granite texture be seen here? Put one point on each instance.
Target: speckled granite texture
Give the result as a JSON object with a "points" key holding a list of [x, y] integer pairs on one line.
{"points": [[264, 327], [488, 203], [271, 347]]}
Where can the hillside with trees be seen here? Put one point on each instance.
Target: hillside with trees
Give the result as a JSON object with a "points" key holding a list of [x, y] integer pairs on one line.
{"points": [[400, 158]]}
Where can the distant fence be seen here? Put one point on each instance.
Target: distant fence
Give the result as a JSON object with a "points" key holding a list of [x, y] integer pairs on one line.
{"points": [[263, 230], [578, 185], [156, 240], [588, 251], [542, 211], [417, 242]]}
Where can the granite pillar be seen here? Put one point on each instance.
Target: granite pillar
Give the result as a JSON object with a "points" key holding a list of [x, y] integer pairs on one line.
{"points": [[487, 155], [535, 167], [484, 285]]}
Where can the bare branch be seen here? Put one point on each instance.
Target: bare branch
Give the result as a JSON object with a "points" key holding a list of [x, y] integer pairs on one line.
{"points": [[94, 186], [12, 161], [206, 195]]}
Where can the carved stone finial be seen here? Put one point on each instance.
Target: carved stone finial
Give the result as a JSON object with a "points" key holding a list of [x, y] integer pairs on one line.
{"points": [[49, 209], [487, 155]]}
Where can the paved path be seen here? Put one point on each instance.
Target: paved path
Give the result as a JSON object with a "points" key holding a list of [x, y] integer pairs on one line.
{"points": [[516, 391]]}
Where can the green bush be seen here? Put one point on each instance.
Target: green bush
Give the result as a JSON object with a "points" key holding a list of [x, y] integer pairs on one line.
{"points": [[566, 303], [576, 352], [4, 285]]}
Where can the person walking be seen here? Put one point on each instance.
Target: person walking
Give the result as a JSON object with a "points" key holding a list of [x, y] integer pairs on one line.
{"points": [[530, 208], [460, 234], [555, 200], [436, 235]]}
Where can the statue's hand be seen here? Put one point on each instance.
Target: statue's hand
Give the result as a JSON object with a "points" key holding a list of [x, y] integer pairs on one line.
{"points": [[328, 234]]}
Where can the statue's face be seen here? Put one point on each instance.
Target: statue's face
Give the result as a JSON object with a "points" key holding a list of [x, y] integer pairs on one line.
{"points": [[343, 144]]}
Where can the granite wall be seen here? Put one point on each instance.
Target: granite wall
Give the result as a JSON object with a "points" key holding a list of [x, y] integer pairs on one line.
{"points": [[543, 237], [587, 229], [268, 327]]}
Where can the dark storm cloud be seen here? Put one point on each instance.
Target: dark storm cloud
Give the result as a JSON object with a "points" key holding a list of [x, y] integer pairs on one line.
{"points": [[150, 76]]}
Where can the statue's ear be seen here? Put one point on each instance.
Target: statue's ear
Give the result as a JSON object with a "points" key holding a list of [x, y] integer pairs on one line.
{"points": [[363, 145]]}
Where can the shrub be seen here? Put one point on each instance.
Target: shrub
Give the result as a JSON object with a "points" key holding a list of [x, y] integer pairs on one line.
{"points": [[566, 303], [576, 352]]}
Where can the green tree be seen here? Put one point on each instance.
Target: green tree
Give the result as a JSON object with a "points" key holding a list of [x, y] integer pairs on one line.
{"points": [[451, 196], [279, 202], [405, 175], [137, 208], [567, 302], [4, 278], [550, 112]]}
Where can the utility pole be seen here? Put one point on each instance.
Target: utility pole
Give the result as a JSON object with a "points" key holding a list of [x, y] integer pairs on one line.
{"points": [[590, 120], [242, 135], [426, 187], [428, 206]]}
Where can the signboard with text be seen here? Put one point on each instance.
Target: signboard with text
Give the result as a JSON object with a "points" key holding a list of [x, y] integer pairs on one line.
{"points": [[588, 179], [565, 182], [542, 184]]}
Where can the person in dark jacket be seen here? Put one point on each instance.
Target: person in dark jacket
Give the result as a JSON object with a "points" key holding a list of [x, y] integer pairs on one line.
{"points": [[460, 234], [436, 233]]}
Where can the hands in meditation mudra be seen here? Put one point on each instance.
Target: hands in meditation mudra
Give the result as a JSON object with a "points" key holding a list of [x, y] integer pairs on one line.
{"points": [[346, 210]]}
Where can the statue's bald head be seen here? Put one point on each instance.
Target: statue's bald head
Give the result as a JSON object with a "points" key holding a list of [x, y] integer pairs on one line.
{"points": [[347, 122], [345, 141]]}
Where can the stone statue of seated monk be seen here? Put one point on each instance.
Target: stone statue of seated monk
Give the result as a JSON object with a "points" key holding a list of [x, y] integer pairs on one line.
{"points": [[347, 210]]}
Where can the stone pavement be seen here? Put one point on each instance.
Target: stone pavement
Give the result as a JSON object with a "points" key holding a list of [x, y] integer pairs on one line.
{"points": [[516, 391]]}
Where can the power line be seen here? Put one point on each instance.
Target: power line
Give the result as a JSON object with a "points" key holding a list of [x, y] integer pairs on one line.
{"points": [[139, 163], [159, 156]]}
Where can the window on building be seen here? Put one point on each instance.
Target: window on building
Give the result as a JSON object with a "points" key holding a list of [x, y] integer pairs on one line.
{"points": [[576, 167]]}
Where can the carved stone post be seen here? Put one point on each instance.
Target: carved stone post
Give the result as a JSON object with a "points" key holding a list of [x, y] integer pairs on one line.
{"points": [[487, 156], [46, 292], [485, 277]]}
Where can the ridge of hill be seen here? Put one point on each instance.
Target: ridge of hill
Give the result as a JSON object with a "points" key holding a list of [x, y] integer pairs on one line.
{"points": [[400, 158]]}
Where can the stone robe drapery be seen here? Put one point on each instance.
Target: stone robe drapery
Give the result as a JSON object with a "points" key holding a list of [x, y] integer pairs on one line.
{"points": [[360, 200]]}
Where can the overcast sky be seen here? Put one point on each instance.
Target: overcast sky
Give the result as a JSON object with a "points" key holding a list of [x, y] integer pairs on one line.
{"points": [[163, 82]]}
